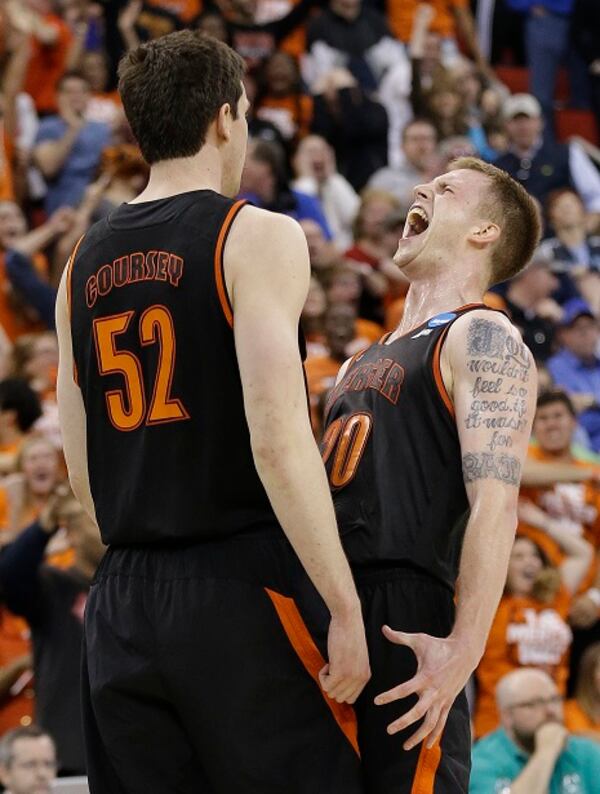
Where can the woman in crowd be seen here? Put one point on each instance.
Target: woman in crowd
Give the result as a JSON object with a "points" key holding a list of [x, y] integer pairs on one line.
{"points": [[530, 627]]}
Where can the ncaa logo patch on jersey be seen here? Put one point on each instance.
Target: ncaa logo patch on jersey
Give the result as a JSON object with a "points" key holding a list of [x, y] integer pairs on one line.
{"points": [[441, 319]]}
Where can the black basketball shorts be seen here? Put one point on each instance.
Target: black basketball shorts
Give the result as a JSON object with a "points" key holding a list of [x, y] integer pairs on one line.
{"points": [[408, 601], [200, 675]]}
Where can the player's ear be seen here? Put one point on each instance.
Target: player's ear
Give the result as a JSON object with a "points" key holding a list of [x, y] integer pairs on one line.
{"points": [[224, 122], [484, 233]]}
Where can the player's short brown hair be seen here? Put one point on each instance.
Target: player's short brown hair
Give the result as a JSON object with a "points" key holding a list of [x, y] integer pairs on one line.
{"points": [[173, 87], [510, 206]]}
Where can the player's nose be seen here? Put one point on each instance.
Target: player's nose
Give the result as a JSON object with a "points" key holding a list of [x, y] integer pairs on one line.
{"points": [[423, 192]]}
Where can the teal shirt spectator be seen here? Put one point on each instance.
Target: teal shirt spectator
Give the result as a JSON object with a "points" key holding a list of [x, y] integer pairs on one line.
{"points": [[497, 762]]}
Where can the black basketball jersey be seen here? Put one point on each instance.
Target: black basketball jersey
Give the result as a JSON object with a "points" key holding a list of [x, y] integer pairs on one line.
{"points": [[168, 444], [393, 456]]}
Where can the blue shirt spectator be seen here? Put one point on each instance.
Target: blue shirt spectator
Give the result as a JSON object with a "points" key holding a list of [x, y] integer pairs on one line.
{"points": [[68, 148], [533, 751], [576, 367]]}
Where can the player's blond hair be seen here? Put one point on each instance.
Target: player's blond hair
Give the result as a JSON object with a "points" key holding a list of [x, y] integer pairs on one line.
{"points": [[510, 206]]}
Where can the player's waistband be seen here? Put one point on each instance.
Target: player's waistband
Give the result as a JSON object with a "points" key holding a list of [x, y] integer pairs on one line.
{"points": [[259, 556], [387, 571]]}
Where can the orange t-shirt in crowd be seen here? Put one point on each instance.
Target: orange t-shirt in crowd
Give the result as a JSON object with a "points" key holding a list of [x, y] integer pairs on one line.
{"points": [[47, 65], [321, 372], [401, 13], [16, 708], [578, 721], [159, 17], [525, 633], [575, 505], [292, 114]]}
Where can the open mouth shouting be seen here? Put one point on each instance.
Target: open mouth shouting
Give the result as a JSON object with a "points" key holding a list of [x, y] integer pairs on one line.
{"points": [[417, 222]]}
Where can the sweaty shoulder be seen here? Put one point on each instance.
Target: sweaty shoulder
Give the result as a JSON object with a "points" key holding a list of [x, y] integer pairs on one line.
{"points": [[264, 245]]}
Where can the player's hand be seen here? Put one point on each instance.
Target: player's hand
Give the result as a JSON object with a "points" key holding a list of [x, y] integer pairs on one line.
{"points": [[344, 678], [443, 669]]}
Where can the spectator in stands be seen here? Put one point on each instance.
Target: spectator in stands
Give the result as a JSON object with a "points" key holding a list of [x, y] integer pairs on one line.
{"points": [[53, 602], [353, 122], [547, 44], [323, 253], [582, 713], [317, 175], [20, 408], [281, 98], [446, 19], [104, 106], [370, 251], [321, 371], [50, 40], [538, 163], [68, 147], [32, 486], [312, 319], [575, 253], [574, 505], [419, 142], [533, 752], [28, 761], [531, 308], [265, 183], [530, 626], [576, 367], [351, 35]]}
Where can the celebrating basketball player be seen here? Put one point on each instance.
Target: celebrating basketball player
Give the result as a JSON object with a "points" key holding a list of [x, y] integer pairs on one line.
{"points": [[425, 438], [187, 436]]}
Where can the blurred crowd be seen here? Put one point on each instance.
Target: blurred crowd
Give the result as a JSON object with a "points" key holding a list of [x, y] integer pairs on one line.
{"points": [[354, 102]]}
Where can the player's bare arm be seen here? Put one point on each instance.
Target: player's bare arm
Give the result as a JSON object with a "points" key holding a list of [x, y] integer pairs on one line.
{"points": [[70, 406], [267, 274], [491, 377]]}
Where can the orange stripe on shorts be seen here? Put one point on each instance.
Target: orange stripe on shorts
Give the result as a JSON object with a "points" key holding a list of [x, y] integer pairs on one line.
{"points": [[311, 658], [427, 767]]}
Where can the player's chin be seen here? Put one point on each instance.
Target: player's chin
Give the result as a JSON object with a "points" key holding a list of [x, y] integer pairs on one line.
{"points": [[408, 250]]}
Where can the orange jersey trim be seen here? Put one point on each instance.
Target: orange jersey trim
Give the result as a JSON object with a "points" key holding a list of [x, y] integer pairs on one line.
{"points": [[311, 658], [219, 271], [70, 262], [427, 766], [437, 373], [69, 296]]}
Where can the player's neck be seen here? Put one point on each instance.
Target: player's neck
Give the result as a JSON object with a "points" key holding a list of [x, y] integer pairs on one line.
{"points": [[427, 298], [167, 178]]}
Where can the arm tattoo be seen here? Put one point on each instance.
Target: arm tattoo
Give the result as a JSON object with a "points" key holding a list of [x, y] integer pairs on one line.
{"points": [[485, 465], [501, 368]]}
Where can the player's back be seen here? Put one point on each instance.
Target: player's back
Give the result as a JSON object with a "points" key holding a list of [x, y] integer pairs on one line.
{"points": [[168, 445]]}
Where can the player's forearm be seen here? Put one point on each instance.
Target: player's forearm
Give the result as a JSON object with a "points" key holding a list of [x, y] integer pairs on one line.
{"points": [[482, 575], [535, 777], [292, 473]]}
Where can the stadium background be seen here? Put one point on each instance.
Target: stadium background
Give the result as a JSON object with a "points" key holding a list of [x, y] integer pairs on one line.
{"points": [[352, 105]]}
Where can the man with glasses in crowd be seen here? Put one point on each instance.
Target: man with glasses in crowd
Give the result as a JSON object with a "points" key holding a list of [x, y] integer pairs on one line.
{"points": [[533, 753]]}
